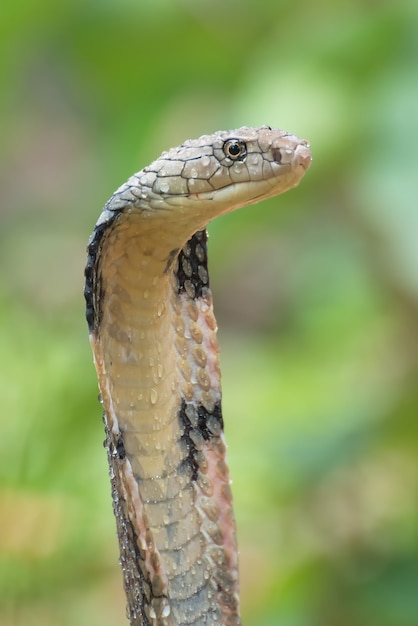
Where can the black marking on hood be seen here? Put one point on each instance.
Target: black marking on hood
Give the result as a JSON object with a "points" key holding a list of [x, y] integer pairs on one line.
{"points": [[198, 426], [192, 266], [93, 289], [120, 447]]}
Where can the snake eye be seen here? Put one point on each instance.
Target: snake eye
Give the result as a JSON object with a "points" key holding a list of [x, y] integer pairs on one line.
{"points": [[235, 150]]}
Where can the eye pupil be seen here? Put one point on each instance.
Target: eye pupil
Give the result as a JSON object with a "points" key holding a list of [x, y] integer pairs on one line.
{"points": [[235, 149]]}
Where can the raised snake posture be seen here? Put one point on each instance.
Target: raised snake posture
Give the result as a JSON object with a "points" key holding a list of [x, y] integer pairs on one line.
{"points": [[153, 336]]}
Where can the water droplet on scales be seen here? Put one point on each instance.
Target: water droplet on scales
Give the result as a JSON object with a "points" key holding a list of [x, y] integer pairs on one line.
{"points": [[164, 186]]}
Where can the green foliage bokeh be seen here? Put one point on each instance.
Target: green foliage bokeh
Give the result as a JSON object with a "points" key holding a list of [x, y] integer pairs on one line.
{"points": [[316, 295]]}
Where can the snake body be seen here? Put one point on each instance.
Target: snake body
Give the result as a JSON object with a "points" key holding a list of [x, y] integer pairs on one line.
{"points": [[153, 336]]}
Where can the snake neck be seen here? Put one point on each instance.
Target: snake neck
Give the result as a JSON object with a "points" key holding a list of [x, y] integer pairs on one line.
{"points": [[156, 352]]}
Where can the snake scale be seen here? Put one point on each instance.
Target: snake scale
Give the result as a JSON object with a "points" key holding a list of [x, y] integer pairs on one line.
{"points": [[153, 336]]}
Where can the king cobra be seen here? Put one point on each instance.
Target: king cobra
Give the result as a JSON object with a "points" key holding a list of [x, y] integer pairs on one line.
{"points": [[153, 336]]}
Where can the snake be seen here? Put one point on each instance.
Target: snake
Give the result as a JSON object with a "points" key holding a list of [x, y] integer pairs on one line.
{"points": [[153, 335]]}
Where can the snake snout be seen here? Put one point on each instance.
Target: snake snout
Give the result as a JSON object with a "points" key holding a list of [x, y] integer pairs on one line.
{"points": [[291, 151], [303, 155]]}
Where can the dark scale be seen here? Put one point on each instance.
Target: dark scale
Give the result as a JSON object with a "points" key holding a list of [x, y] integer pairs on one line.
{"points": [[120, 447], [93, 289], [192, 266], [198, 426]]}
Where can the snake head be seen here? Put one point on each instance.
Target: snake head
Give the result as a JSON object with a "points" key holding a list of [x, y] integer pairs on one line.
{"points": [[229, 169], [189, 185]]}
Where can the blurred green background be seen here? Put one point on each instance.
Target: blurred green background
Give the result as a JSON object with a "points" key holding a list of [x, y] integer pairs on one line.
{"points": [[316, 295]]}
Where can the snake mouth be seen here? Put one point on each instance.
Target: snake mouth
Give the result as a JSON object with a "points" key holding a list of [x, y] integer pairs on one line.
{"points": [[282, 171], [201, 208]]}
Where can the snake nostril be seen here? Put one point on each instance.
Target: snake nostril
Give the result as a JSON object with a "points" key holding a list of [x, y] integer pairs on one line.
{"points": [[277, 155]]}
